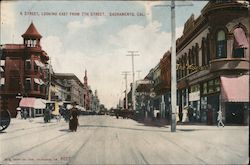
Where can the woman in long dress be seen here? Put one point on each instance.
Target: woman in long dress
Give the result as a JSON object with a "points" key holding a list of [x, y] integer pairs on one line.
{"points": [[73, 122]]}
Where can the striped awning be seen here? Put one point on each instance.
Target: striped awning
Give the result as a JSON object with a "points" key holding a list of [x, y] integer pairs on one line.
{"points": [[38, 63], [240, 39], [31, 102], [235, 89]]}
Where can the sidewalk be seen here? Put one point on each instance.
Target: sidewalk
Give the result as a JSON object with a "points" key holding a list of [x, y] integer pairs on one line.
{"points": [[19, 124], [165, 123]]}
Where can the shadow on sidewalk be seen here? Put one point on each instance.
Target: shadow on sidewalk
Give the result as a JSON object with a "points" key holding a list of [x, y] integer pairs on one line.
{"points": [[2, 132], [125, 128], [65, 130], [153, 122]]}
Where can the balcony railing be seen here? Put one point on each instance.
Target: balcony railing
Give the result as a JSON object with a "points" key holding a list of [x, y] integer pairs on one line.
{"points": [[229, 64]]}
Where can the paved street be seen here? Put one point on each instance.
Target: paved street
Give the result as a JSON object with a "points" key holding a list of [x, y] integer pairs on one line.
{"points": [[107, 140]]}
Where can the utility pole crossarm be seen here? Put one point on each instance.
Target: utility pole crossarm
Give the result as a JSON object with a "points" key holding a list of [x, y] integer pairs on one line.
{"points": [[173, 62]]}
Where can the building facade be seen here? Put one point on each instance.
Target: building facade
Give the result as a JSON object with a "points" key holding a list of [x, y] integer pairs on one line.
{"points": [[74, 87], [23, 70], [212, 58]]}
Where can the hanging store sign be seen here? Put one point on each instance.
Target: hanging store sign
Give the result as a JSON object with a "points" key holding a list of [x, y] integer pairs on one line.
{"points": [[194, 96]]}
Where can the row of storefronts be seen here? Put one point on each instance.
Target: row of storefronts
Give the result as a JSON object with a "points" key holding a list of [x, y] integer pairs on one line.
{"points": [[212, 67]]}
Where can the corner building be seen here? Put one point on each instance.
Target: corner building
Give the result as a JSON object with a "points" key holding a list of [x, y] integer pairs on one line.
{"points": [[23, 70], [213, 63]]}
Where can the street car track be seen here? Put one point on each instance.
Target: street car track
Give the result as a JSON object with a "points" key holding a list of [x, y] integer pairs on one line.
{"points": [[35, 146], [24, 134], [22, 129], [12, 157], [80, 148]]}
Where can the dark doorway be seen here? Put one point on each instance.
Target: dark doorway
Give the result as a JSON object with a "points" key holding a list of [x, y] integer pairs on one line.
{"points": [[234, 113]]}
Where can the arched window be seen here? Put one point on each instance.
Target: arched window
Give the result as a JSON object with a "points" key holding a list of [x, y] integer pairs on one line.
{"points": [[221, 44]]}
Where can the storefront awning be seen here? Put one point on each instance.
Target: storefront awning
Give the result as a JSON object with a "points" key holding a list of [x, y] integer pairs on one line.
{"points": [[235, 89], [38, 81], [31, 102], [240, 39], [38, 63]]}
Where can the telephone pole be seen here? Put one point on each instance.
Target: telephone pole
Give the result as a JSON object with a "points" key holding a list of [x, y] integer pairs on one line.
{"points": [[132, 54], [173, 63], [125, 73]]}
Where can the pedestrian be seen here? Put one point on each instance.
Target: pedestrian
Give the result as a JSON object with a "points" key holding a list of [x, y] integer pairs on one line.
{"points": [[18, 116], [47, 115], [190, 113], [185, 114], [219, 119], [25, 113], [73, 122]]}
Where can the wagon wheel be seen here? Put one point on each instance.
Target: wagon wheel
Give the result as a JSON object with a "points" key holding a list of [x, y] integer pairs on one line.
{"points": [[4, 120]]}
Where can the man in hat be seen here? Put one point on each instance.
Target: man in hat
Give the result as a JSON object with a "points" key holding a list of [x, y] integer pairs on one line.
{"points": [[73, 122]]}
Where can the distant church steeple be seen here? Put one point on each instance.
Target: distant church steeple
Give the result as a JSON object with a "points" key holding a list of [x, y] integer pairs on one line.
{"points": [[85, 78]]}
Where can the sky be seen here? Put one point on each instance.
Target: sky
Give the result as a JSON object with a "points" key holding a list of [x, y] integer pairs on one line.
{"points": [[91, 35]]}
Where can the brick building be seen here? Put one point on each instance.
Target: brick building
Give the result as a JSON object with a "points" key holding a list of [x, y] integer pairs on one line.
{"points": [[23, 70]]}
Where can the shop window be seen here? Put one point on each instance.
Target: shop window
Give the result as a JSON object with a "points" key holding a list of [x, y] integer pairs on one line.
{"points": [[194, 88], [211, 86], [204, 88], [221, 44], [217, 85]]}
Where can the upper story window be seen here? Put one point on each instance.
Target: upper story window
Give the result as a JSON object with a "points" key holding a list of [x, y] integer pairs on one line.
{"points": [[27, 64], [2, 83], [30, 43], [28, 84], [240, 43], [2, 66], [221, 44]]}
